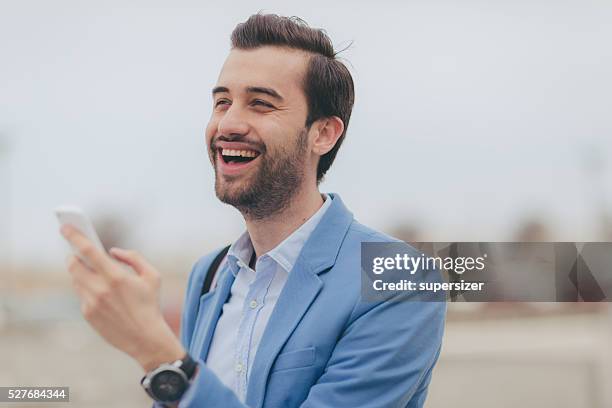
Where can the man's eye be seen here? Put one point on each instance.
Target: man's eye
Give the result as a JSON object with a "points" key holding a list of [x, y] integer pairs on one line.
{"points": [[222, 102], [262, 103]]}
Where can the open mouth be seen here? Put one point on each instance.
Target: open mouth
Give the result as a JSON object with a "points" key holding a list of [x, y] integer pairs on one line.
{"points": [[235, 157]]}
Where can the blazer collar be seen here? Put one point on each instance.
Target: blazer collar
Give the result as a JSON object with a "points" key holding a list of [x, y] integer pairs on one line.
{"points": [[321, 249]]}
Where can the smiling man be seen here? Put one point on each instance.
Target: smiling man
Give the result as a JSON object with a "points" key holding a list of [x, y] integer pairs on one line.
{"points": [[284, 323]]}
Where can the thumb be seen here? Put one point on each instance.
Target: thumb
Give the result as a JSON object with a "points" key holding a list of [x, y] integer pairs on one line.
{"points": [[135, 261]]}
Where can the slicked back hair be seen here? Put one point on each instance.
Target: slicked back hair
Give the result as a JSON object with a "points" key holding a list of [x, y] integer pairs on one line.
{"points": [[328, 84]]}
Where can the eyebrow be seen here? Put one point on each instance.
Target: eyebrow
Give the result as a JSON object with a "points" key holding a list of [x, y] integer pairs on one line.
{"points": [[268, 91], [252, 89], [219, 89]]}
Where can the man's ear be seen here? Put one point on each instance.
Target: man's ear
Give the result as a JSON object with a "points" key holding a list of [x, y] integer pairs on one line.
{"points": [[328, 133]]}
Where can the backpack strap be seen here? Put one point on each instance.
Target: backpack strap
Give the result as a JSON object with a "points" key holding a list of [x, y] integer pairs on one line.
{"points": [[212, 270]]}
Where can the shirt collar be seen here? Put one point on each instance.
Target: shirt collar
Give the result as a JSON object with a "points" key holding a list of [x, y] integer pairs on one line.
{"points": [[285, 253]]}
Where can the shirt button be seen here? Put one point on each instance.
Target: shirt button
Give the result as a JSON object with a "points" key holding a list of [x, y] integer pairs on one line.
{"points": [[239, 367], [253, 304]]}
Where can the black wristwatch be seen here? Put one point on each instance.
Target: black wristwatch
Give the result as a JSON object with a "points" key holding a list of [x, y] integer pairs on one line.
{"points": [[169, 381]]}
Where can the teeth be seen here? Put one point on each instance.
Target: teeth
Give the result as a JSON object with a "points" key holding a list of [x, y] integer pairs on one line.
{"points": [[243, 153]]}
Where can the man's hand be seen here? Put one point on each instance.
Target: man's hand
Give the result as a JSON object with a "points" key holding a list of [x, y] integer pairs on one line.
{"points": [[122, 306]]}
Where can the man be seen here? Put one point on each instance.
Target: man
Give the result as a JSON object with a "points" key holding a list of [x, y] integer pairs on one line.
{"points": [[285, 325]]}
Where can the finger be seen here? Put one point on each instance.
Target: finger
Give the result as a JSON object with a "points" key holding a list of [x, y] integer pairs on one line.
{"points": [[85, 280], [76, 266], [85, 297], [88, 285], [136, 261], [83, 294], [77, 288], [99, 261]]}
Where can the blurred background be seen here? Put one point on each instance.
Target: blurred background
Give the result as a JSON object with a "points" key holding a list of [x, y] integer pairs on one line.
{"points": [[474, 121]]}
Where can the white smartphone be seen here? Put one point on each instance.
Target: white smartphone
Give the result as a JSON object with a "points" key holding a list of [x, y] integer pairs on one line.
{"points": [[69, 214]]}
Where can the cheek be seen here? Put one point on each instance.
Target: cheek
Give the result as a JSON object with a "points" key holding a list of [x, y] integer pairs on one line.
{"points": [[272, 133]]}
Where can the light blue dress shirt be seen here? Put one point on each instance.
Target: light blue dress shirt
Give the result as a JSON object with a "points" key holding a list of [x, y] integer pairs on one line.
{"points": [[253, 296]]}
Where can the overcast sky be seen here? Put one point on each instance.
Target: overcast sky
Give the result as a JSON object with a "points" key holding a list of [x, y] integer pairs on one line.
{"points": [[469, 116]]}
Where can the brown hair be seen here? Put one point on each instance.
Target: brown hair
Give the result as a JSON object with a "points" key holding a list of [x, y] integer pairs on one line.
{"points": [[328, 84]]}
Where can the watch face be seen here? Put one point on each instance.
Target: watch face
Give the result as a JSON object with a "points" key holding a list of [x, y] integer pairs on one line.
{"points": [[168, 386]]}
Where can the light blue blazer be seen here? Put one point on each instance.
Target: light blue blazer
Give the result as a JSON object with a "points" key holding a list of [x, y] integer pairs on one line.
{"points": [[324, 346]]}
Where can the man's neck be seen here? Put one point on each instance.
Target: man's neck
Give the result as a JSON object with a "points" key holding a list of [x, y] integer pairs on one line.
{"points": [[267, 233]]}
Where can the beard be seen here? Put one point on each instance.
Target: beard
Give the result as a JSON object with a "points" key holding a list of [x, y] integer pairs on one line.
{"points": [[270, 189]]}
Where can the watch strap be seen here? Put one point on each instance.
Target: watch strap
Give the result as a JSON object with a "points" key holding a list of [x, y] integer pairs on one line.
{"points": [[188, 365]]}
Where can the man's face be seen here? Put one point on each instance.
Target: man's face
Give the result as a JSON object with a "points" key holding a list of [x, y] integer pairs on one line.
{"points": [[257, 140]]}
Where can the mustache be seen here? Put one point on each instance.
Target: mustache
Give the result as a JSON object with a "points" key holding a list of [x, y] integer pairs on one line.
{"points": [[238, 138]]}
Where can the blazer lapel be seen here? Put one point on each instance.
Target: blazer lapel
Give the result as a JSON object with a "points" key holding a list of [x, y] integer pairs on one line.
{"points": [[301, 289], [207, 321]]}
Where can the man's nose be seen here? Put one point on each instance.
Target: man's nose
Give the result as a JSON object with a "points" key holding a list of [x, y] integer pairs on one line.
{"points": [[233, 122]]}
